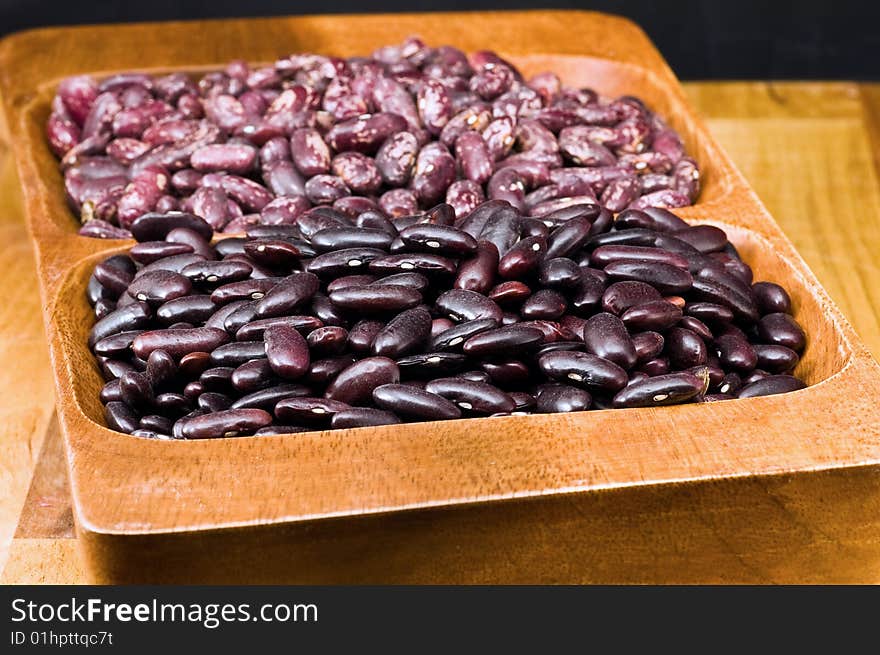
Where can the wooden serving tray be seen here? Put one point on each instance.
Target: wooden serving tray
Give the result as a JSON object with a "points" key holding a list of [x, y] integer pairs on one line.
{"points": [[549, 498]]}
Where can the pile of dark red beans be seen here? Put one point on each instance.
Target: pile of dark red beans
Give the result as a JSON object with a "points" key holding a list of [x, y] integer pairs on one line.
{"points": [[401, 131], [341, 322]]}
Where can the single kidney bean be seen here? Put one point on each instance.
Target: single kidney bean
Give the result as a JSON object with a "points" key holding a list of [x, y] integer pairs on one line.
{"points": [[403, 334], [668, 389], [552, 398], [267, 398], [545, 304], [330, 340], [771, 298], [424, 262], [653, 315], [292, 292], [179, 342], [434, 172], [781, 330], [354, 385], [287, 351], [770, 385], [606, 336], [396, 158], [376, 298], [226, 423], [685, 348], [463, 305], [775, 359], [472, 396], [443, 239], [413, 403], [253, 329], [522, 258], [477, 273], [735, 352], [500, 340], [583, 370], [360, 417]]}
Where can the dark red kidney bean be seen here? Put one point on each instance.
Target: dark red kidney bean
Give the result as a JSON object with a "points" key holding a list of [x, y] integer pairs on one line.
{"points": [[583, 370], [237, 353], [474, 222], [218, 378], [606, 336], [362, 334], [161, 368], [326, 312], [309, 410], [500, 340], [545, 304], [193, 364], [443, 239], [120, 417], [559, 273], [309, 152], [361, 417], [501, 228], [253, 330], [771, 385], [354, 385], [335, 238], [705, 238], [413, 403], [175, 263], [130, 317], [376, 220], [217, 272], [709, 312], [252, 289], [179, 342], [156, 424], [510, 294], [414, 280], [323, 370], [735, 352], [115, 274], [669, 389], [403, 334], [781, 330], [588, 295], [344, 261], [274, 253], [159, 287], [226, 423], [151, 251], [440, 325], [267, 398], [155, 227], [554, 398], [396, 158], [330, 340], [605, 255], [532, 227], [663, 277], [684, 348], [730, 383], [230, 246], [111, 392], [116, 345], [771, 298], [423, 262], [199, 244], [136, 391], [634, 237], [190, 309], [455, 336], [664, 220], [742, 306], [568, 239], [432, 365], [648, 345], [653, 315], [733, 266], [472, 396], [173, 404], [477, 273], [287, 351], [522, 258], [95, 291], [462, 305], [376, 298], [293, 292], [213, 402], [698, 327], [720, 276], [775, 359], [620, 296], [754, 376], [507, 374]]}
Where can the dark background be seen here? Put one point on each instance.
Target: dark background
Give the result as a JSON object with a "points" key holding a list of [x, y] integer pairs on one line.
{"points": [[809, 39]]}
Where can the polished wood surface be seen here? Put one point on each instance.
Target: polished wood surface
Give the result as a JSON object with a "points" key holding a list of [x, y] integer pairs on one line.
{"points": [[809, 151]]}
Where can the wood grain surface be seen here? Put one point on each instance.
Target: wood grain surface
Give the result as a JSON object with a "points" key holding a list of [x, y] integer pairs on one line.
{"points": [[811, 151]]}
